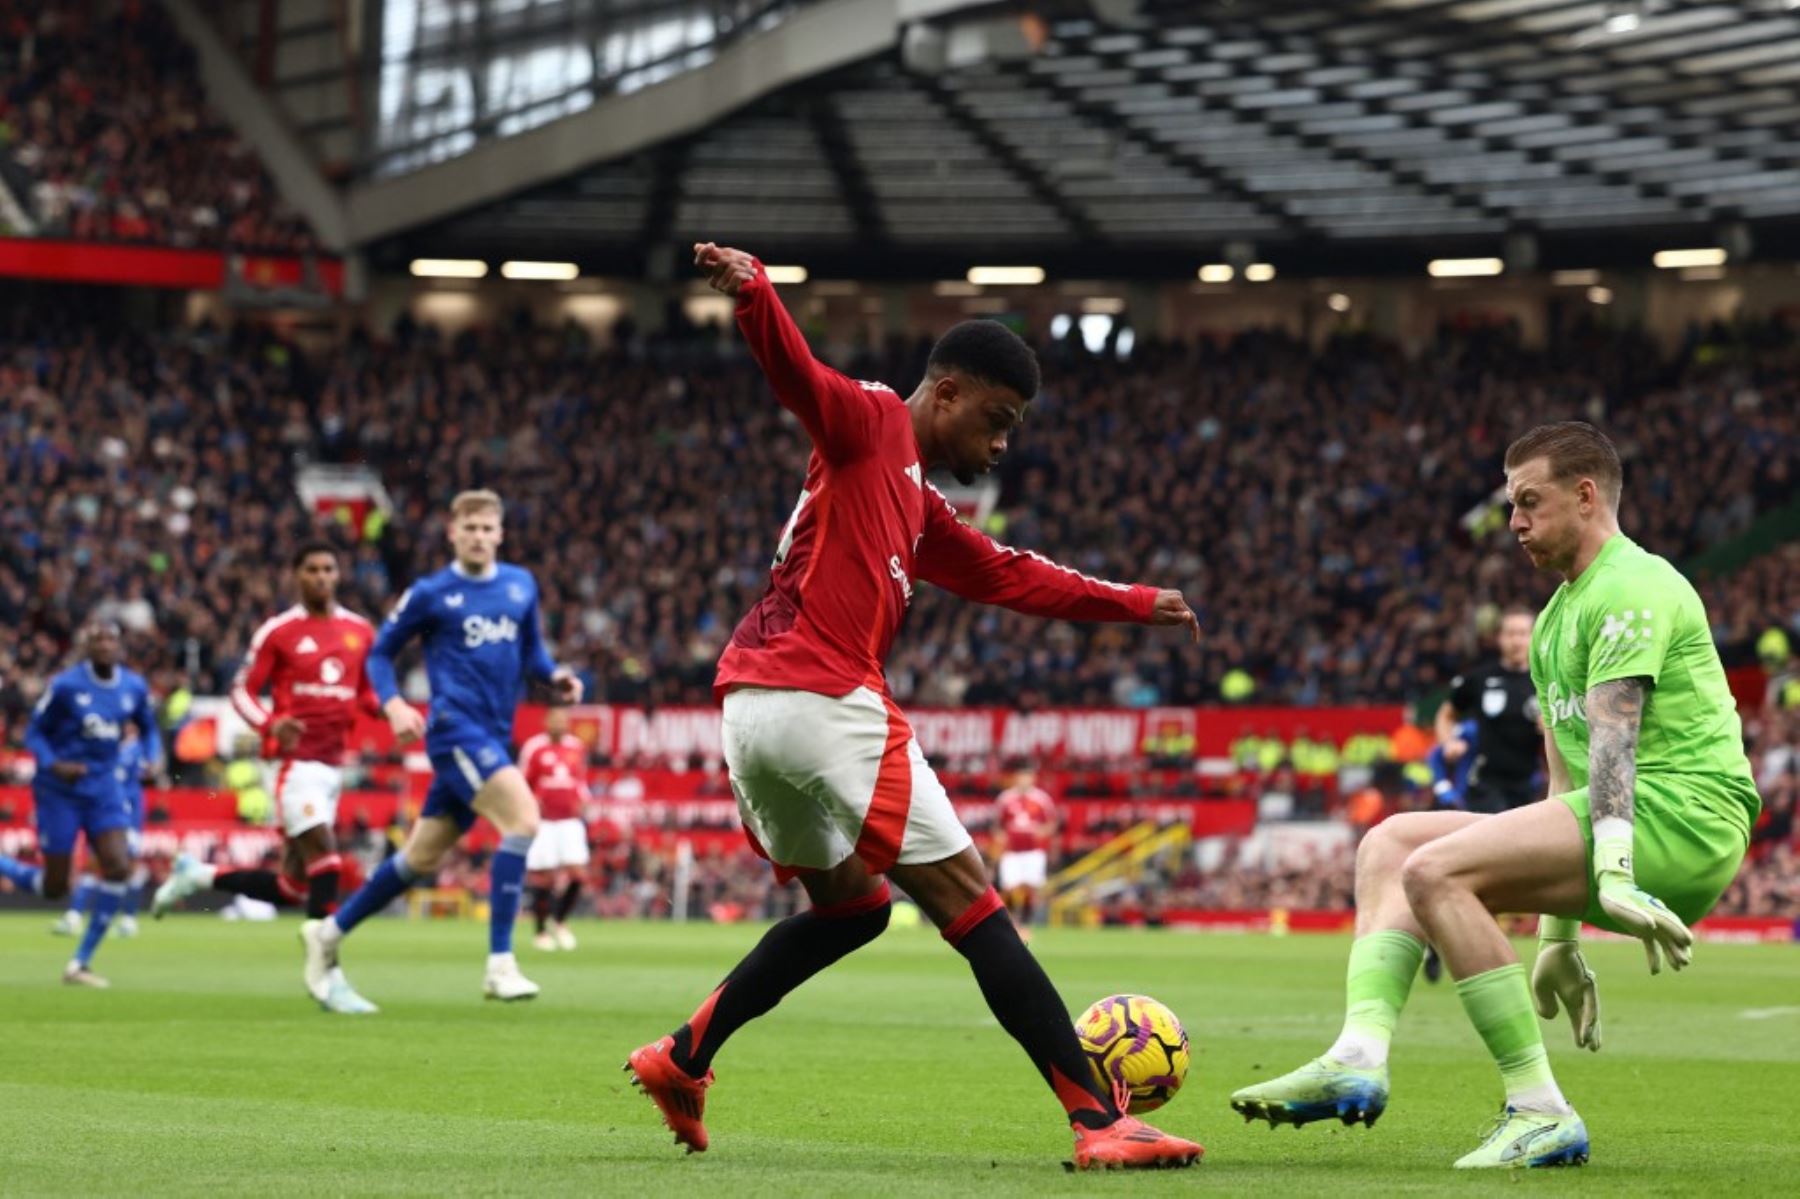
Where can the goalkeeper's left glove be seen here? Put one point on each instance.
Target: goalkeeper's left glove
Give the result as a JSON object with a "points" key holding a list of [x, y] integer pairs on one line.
{"points": [[1637, 911], [1561, 976]]}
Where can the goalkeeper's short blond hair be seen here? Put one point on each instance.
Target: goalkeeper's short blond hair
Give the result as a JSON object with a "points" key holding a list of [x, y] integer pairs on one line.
{"points": [[479, 500]]}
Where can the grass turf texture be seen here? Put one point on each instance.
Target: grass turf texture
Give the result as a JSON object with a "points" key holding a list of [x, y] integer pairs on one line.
{"points": [[206, 1070]]}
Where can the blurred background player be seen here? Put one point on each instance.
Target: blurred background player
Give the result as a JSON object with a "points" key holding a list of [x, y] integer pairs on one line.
{"points": [[832, 787], [311, 659], [132, 772], [1027, 820], [478, 618], [555, 767], [75, 734], [1655, 803]]}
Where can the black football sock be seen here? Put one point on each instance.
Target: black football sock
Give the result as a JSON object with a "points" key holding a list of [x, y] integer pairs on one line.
{"points": [[789, 954], [565, 903], [256, 884], [322, 886], [540, 907], [1022, 998]]}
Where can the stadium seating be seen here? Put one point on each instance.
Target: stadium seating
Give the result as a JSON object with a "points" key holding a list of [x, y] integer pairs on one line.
{"points": [[106, 135]]}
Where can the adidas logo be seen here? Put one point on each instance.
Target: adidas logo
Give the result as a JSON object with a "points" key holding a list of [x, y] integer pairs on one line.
{"points": [[307, 646]]}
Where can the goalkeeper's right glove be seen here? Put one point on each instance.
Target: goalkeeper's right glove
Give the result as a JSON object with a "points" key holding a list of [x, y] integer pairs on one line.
{"points": [[1637, 911], [1561, 975]]}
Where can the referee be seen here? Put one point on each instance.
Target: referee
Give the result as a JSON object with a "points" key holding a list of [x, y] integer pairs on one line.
{"points": [[1501, 702], [1499, 698]]}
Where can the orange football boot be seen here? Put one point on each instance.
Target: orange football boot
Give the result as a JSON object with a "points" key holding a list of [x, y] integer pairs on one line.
{"points": [[678, 1095], [1130, 1144]]}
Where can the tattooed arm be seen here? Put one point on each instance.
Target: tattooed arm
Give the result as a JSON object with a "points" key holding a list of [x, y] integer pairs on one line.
{"points": [[1614, 710]]}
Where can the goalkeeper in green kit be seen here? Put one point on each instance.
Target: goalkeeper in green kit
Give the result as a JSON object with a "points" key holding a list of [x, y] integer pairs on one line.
{"points": [[1650, 810]]}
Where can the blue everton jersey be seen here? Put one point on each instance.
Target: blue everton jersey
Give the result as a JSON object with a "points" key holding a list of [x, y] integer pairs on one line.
{"points": [[482, 640], [82, 718]]}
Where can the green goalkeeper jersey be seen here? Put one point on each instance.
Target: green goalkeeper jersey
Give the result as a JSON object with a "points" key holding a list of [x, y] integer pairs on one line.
{"points": [[1632, 614]]}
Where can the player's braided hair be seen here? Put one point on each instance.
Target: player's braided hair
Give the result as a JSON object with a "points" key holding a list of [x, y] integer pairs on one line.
{"points": [[990, 352]]}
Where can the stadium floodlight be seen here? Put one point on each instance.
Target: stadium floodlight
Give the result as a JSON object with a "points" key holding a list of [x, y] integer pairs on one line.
{"points": [[785, 274], [1260, 272], [1599, 295], [1463, 268], [1006, 276], [1586, 278], [1337, 301], [1672, 260], [1217, 272], [560, 271], [449, 268]]}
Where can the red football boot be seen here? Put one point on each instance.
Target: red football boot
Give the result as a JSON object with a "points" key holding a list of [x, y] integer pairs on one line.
{"points": [[1130, 1144], [678, 1095]]}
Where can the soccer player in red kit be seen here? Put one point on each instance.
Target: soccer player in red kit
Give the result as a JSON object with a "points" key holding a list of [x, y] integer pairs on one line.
{"points": [[832, 787], [554, 764], [310, 658], [1027, 822]]}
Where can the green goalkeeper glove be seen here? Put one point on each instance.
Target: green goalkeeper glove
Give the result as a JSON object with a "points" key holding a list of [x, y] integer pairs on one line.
{"points": [[1637, 911], [1561, 977]]}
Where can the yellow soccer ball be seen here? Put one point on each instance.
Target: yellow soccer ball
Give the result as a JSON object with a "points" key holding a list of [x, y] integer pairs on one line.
{"points": [[1134, 1040]]}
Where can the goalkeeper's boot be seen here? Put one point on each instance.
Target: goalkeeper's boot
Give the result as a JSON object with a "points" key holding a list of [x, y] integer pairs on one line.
{"points": [[1525, 1139], [1323, 1089], [677, 1094]]}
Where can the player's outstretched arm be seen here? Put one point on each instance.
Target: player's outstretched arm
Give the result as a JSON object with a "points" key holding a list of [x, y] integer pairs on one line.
{"points": [[837, 412], [539, 666], [150, 746], [975, 566], [37, 729], [1615, 709]]}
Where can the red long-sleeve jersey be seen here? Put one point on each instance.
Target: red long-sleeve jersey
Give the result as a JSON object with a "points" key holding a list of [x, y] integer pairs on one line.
{"points": [[867, 525], [1023, 814], [314, 667]]}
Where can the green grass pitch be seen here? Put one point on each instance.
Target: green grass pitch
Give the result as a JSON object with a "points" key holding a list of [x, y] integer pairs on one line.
{"points": [[205, 1070]]}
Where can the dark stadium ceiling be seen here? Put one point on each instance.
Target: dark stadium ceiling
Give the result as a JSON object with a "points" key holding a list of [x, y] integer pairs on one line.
{"points": [[1362, 135]]}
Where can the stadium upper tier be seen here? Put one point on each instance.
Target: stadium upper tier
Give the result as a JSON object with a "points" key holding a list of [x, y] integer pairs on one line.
{"points": [[1324, 134], [106, 135], [1311, 506]]}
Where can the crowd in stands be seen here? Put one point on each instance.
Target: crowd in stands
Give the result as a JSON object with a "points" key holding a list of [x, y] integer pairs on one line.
{"points": [[1312, 507], [106, 134]]}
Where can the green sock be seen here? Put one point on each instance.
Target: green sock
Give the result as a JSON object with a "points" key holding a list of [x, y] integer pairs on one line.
{"points": [[1382, 967], [1499, 1006]]}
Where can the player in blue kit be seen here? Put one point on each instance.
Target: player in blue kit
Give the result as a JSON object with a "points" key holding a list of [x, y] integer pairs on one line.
{"points": [[130, 773], [478, 618], [75, 734]]}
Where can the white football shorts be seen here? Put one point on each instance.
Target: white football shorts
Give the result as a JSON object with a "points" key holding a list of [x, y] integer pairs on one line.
{"points": [[818, 779], [559, 843], [1024, 868], [305, 794]]}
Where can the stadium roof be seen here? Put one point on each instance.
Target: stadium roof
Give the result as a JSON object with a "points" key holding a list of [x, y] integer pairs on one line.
{"points": [[1351, 135]]}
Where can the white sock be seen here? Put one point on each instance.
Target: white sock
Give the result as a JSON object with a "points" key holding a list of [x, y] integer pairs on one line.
{"points": [[499, 961], [329, 932], [1359, 1049]]}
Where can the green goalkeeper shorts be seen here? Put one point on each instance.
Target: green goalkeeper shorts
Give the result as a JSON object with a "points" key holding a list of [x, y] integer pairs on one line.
{"points": [[1684, 850]]}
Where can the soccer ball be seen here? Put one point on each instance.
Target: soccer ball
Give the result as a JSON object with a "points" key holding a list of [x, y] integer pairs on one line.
{"points": [[1137, 1041]]}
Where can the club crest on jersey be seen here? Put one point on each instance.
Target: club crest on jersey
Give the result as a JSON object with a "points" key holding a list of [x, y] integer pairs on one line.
{"points": [[479, 631], [515, 593]]}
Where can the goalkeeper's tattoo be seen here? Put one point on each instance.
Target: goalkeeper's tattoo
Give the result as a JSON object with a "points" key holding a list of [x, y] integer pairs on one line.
{"points": [[1614, 711]]}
